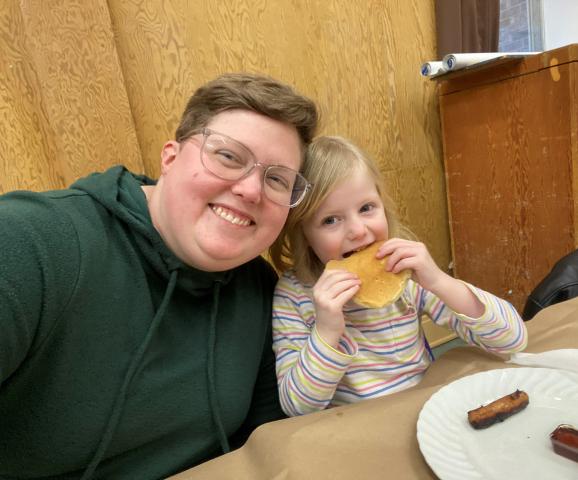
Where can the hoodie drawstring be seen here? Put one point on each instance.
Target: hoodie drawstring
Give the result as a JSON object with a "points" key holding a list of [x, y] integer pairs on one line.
{"points": [[130, 373], [213, 400]]}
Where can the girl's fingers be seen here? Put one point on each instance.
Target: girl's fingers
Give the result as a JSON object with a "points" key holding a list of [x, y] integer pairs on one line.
{"points": [[337, 298], [334, 284], [397, 256], [347, 294], [406, 263], [393, 244], [399, 250], [334, 290]]}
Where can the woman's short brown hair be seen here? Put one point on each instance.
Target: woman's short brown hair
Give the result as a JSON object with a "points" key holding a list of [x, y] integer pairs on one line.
{"points": [[257, 93]]}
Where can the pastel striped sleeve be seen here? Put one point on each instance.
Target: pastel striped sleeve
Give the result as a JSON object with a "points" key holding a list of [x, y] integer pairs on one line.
{"points": [[500, 329], [308, 369]]}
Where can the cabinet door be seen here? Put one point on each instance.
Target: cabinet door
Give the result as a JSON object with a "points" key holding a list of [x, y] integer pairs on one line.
{"points": [[509, 152]]}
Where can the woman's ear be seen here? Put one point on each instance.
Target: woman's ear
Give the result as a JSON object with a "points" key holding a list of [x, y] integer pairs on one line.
{"points": [[169, 154]]}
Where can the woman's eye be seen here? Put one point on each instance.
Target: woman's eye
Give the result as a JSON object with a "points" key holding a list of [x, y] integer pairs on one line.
{"points": [[278, 182], [229, 158], [367, 207]]}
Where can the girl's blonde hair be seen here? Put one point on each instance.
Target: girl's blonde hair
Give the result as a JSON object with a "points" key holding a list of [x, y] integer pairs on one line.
{"points": [[329, 160]]}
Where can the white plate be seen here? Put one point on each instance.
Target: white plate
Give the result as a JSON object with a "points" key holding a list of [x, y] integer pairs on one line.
{"points": [[519, 447]]}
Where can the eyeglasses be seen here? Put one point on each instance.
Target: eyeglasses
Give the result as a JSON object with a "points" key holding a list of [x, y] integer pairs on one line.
{"points": [[229, 159]]}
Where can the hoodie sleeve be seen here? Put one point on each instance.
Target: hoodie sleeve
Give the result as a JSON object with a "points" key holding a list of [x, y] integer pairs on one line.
{"points": [[38, 254]]}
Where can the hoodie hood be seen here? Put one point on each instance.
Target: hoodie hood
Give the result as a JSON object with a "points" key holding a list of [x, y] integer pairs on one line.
{"points": [[120, 192]]}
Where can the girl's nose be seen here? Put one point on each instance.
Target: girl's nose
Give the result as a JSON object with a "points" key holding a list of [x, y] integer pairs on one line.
{"points": [[356, 228], [250, 187]]}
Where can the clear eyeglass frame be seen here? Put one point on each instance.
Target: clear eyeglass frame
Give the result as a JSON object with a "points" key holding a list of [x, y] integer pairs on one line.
{"points": [[228, 159]]}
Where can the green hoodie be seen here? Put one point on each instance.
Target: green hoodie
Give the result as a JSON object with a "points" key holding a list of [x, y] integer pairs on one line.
{"points": [[116, 359]]}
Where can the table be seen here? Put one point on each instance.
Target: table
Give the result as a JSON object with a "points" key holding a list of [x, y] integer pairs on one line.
{"points": [[375, 438]]}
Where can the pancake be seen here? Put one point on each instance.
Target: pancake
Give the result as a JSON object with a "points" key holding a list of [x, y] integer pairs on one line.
{"points": [[378, 287]]}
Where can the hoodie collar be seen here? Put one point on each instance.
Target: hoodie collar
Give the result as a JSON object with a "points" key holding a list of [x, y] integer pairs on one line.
{"points": [[120, 192]]}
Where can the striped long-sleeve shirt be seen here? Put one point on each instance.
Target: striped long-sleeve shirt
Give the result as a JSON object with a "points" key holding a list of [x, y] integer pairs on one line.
{"points": [[382, 350]]}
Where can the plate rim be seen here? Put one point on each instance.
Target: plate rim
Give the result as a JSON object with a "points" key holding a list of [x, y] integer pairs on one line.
{"points": [[424, 449]]}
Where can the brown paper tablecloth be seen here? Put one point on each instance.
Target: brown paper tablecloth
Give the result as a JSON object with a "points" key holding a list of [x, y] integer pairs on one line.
{"points": [[375, 438]]}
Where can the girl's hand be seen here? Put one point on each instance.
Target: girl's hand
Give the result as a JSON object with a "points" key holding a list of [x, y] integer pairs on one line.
{"points": [[407, 254], [331, 292]]}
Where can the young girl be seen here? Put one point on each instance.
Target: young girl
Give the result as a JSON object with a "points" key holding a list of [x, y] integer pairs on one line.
{"points": [[331, 351]]}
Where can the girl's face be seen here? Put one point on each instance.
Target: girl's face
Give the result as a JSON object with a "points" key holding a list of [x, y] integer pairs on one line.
{"points": [[350, 218]]}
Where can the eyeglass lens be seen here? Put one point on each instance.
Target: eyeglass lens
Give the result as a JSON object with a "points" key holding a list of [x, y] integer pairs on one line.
{"points": [[230, 160]]}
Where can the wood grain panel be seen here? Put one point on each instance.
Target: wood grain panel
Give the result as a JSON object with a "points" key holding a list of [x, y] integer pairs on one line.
{"points": [[71, 49], [358, 60], [92, 83], [508, 149], [26, 142]]}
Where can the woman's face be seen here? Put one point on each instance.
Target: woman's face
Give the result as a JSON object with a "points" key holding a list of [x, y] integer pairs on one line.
{"points": [[214, 224]]}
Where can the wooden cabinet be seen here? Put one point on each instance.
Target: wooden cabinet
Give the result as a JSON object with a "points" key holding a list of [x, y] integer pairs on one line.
{"points": [[510, 140]]}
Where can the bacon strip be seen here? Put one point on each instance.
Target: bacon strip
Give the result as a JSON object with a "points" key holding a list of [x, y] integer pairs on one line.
{"points": [[498, 410]]}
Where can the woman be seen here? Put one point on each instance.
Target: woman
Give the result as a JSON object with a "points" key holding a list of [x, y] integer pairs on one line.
{"points": [[135, 333]]}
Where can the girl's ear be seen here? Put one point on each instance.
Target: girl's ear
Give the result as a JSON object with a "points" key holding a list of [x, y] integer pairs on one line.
{"points": [[169, 154]]}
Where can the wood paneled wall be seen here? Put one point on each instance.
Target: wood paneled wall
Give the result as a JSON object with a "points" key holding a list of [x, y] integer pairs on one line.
{"points": [[85, 84], [64, 107]]}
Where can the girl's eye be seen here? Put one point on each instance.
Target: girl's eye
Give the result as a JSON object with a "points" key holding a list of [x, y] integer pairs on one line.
{"points": [[367, 207], [329, 220]]}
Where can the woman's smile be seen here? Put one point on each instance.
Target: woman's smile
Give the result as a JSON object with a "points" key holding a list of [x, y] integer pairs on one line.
{"points": [[231, 217]]}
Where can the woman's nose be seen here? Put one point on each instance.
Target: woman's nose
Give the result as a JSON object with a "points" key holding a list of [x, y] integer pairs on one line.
{"points": [[250, 187]]}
